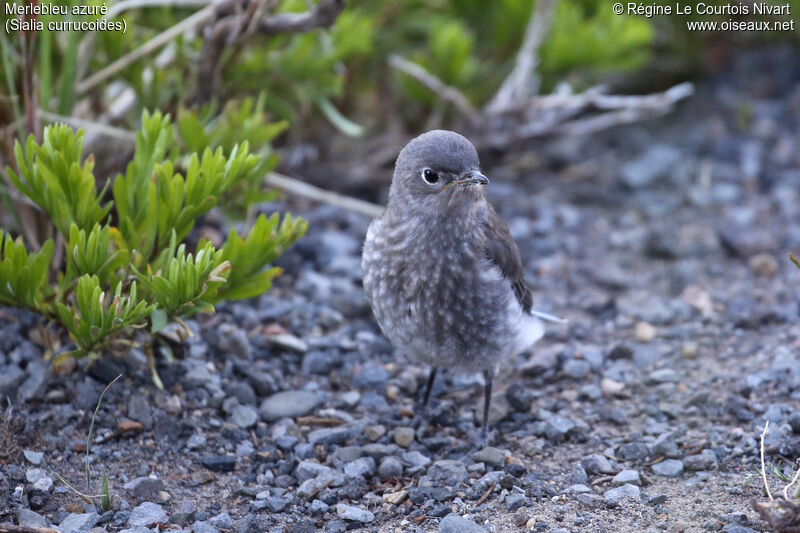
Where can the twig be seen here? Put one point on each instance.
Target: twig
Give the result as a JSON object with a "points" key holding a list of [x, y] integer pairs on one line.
{"points": [[311, 192], [763, 467], [792, 482], [226, 32], [516, 86], [102, 129], [204, 15], [451, 94], [556, 114], [486, 494]]}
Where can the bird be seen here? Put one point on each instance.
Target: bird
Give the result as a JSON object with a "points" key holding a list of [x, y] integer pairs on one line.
{"points": [[441, 272]]}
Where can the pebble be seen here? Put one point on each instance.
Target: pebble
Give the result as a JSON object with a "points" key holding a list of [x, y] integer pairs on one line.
{"points": [[493, 457], [705, 460], [364, 467], [356, 514], [616, 495], [287, 341], [220, 463], [80, 522], [375, 432], [147, 514], [403, 436], [449, 472], [645, 332], [196, 442], [454, 523], [244, 416], [34, 458], [557, 427], [668, 468], [289, 404], [391, 467], [627, 476], [764, 264], [663, 375], [597, 464], [30, 519], [144, 487]]}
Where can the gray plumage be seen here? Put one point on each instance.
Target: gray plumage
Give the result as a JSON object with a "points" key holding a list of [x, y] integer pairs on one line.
{"points": [[440, 268]]}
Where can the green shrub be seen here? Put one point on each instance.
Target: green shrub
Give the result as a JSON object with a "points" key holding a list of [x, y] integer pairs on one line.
{"points": [[125, 266]]}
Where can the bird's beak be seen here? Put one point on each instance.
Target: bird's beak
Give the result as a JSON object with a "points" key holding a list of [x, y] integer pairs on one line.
{"points": [[470, 178]]}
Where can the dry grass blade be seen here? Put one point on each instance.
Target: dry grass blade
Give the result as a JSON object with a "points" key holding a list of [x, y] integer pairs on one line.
{"points": [[763, 466], [150, 46]]}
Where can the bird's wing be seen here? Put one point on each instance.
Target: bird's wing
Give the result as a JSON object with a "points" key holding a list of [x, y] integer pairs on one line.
{"points": [[501, 250]]}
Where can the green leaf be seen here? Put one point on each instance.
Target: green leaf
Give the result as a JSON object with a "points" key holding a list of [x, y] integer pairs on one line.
{"points": [[158, 319]]}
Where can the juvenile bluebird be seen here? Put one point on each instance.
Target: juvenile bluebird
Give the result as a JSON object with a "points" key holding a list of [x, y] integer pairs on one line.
{"points": [[441, 271]]}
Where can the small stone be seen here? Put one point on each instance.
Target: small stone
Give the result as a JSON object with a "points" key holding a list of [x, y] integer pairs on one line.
{"points": [[558, 427], [645, 332], [576, 368], [618, 494], [202, 526], [579, 488], [597, 464], [391, 467], [288, 341], [415, 458], [493, 457], [515, 500], [764, 264], [330, 436], [34, 458], [319, 507], [147, 514], [448, 471], [143, 487], [196, 442], [244, 416], [375, 432], [220, 463], [27, 518], [689, 350], [289, 404], [454, 523], [665, 446], [611, 387], [364, 467], [705, 460], [395, 498], [139, 409], [129, 426], [403, 436], [663, 375], [75, 522], [356, 514], [309, 469], [627, 476], [32, 475], [669, 468]]}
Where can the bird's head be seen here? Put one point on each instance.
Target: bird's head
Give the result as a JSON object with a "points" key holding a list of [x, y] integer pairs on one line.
{"points": [[437, 170]]}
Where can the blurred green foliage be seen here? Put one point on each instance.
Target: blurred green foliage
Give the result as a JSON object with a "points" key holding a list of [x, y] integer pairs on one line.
{"points": [[130, 270]]}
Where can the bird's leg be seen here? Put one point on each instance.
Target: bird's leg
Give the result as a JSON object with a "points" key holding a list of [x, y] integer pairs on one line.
{"points": [[422, 411], [488, 376]]}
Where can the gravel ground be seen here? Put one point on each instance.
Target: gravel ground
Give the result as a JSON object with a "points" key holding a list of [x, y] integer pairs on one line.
{"points": [[664, 244]]}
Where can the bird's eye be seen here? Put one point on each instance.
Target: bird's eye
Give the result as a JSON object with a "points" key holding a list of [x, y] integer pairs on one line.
{"points": [[430, 176]]}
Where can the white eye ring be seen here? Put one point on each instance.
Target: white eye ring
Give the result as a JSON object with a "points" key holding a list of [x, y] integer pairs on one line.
{"points": [[430, 176]]}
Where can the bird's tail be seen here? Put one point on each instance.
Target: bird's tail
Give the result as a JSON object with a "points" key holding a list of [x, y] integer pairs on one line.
{"points": [[548, 317]]}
